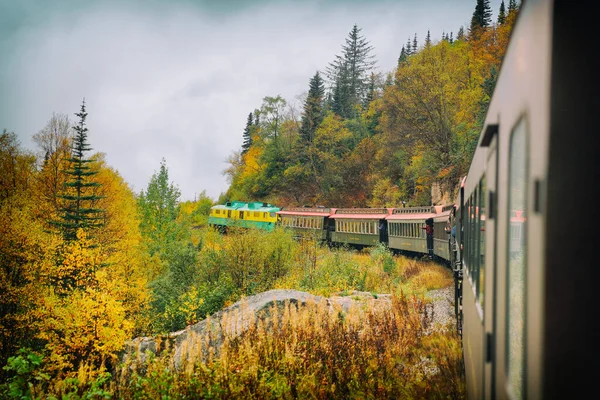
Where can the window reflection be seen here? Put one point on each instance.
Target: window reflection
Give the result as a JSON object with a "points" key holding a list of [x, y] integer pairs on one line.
{"points": [[517, 261]]}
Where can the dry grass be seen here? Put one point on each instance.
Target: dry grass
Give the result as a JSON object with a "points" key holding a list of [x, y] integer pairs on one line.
{"points": [[312, 352]]}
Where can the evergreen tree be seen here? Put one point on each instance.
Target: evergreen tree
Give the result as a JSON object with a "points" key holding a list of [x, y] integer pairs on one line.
{"points": [[428, 39], [501, 13], [247, 135], [79, 211], [403, 56], [512, 5], [461, 34], [313, 108], [414, 49], [328, 103], [159, 207], [389, 79], [482, 16], [371, 91], [451, 39], [408, 47], [349, 73], [341, 97]]}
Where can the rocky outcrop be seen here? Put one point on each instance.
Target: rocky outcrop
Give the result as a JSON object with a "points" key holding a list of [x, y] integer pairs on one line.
{"points": [[206, 337], [235, 319]]}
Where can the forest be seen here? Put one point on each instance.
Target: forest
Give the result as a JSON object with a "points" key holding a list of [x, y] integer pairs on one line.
{"points": [[87, 264]]}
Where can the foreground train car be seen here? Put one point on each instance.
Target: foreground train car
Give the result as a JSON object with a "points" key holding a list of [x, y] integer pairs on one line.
{"points": [[526, 257]]}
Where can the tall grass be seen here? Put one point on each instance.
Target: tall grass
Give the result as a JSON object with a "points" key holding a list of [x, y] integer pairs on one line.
{"points": [[312, 352]]}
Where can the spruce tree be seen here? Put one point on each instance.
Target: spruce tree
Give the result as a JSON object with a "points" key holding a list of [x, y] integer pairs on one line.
{"points": [[408, 47], [312, 115], [247, 135], [371, 91], [512, 5], [414, 49], [501, 13], [451, 39], [482, 16], [461, 34], [403, 56], [349, 73], [79, 211], [428, 39], [341, 95], [389, 79]]}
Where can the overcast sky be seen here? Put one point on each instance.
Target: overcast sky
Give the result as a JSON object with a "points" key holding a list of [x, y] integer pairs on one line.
{"points": [[177, 79]]}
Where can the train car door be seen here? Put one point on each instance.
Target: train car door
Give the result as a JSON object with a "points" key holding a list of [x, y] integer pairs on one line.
{"points": [[383, 231]]}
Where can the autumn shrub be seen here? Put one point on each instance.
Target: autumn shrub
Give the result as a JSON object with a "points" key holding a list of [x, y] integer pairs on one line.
{"points": [[382, 255], [337, 270], [255, 259]]}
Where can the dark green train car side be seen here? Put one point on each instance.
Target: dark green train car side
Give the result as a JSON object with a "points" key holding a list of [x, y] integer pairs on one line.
{"points": [[360, 226], [307, 221], [405, 227]]}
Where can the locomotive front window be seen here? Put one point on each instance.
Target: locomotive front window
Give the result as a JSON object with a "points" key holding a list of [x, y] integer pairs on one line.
{"points": [[517, 262]]}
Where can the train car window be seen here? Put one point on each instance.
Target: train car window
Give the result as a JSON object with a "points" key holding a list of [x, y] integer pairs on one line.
{"points": [[468, 236], [481, 231], [476, 241], [517, 261]]}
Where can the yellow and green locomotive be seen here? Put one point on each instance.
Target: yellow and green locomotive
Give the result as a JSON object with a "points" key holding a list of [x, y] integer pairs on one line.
{"points": [[245, 215]]}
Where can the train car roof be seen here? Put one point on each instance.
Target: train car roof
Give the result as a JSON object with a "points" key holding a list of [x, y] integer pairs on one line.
{"points": [[307, 211], [247, 206], [361, 213], [410, 217]]}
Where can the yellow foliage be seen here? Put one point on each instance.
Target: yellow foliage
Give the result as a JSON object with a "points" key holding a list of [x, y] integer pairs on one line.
{"points": [[188, 304], [26, 251], [85, 326], [251, 159], [121, 243], [385, 194]]}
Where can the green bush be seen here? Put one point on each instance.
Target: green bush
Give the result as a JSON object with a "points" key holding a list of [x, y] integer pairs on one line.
{"points": [[26, 370], [382, 255]]}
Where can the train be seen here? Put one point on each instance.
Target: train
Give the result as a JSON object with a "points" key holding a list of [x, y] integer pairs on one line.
{"points": [[523, 253], [401, 229]]}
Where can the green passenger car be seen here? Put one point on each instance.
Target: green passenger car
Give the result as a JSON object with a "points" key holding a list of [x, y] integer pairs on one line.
{"points": [[307, 221], [360, 226], [244, 214], [405, 228]]}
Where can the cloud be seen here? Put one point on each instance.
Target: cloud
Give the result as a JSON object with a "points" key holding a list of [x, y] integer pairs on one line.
{"points": [[177, 80]]}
